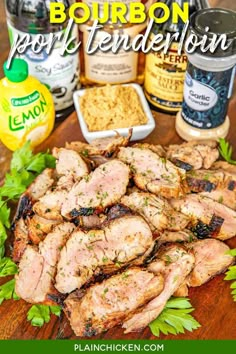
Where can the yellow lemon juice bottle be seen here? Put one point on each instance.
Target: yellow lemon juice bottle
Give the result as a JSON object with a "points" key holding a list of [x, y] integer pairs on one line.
{"points": [[26, 107]]}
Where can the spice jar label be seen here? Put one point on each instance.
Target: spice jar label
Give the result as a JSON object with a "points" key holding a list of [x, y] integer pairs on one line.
{"points": [[199, 96], [206, 96]]}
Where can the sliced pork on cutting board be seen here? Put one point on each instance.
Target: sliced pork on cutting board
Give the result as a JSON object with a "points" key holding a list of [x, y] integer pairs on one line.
{"points": [[101, 188], [194, 154], [209, 180], [37, 267], [153, 173], [49, 206], [174, 263], [156, 211], [108, 304], [211, 258], [106, 147], [223, 196], [121, 241], [21, 239], [209, 212], [34, 192], [69, 162], [38, 227]]}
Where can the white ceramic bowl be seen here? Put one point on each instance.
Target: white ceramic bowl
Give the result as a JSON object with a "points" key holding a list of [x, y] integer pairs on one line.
{"points": [[139, 131]]}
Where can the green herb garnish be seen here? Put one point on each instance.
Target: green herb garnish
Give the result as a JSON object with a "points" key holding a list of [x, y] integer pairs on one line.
{"points": [[226, 151], [231, 274], [175, 318], [7, 291], [25, 167], [40, 314]]}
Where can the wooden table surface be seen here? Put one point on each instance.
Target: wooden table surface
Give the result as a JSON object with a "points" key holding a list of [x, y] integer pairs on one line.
{"points": [[215, 309]]}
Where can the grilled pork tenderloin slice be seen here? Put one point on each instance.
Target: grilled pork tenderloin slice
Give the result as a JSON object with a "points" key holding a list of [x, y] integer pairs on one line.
{"points": [[87, 252], [37, 267], [49, 206], [194, 154], [69, 162], [210, 180], [215, 218], [108, 304], [156, 211], [70, 167], [100, 189], [21, 239], [225, 166], [174, 263], [153, 173], [158, 149], [34, 192], [38, 227], [176, 236], [211, 258], [205, 180], [106, 147], [222, 196]]}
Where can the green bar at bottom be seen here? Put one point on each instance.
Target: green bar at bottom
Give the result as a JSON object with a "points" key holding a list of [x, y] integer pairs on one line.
{"points": [[118, 346]]}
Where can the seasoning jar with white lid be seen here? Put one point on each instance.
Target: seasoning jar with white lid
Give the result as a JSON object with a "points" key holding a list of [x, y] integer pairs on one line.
{"points": [[209, 78]]}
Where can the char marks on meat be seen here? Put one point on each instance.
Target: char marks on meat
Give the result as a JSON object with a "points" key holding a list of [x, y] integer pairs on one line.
{"points": [[153, 173], [39, 227], [108, 304], [36, 190], [174, 263], [49, 206], [211, 258], [201, 208], [209, 180], [37, 266], [194, 153], [117, 211], [102, 150], [146, 220], [156, 211], [86, 252], [100, 189], [21, 239]]}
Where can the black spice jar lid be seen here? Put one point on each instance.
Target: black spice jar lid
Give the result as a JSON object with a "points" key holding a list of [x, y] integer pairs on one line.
{"points": [[220, 21]]}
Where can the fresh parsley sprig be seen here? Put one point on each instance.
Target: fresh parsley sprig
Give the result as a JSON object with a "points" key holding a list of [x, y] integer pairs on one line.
{"points": [[40, 314], [24, 168], [231, 274], [7, 267], [7, 291], [226, 151], [175, 318]]}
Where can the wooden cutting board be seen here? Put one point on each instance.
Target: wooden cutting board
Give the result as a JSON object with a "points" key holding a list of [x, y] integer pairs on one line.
{"points": [[214, 307]]}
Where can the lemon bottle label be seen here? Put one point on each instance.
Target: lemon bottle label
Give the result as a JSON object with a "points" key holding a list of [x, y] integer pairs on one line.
{"points": [[26, 107]]}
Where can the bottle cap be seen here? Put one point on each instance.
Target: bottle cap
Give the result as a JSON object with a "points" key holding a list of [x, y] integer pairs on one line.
{"points": [[220, 21], [18, 70]]}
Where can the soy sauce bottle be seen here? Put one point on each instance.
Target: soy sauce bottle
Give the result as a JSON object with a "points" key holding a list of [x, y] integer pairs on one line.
{"points": [[59, 73], [164, 73]]}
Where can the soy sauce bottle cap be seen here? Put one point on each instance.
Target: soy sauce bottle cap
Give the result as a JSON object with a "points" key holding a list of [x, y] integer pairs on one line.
{"points": [[17, 72], [220, 21]]}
